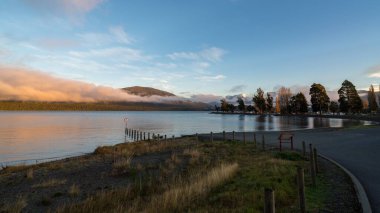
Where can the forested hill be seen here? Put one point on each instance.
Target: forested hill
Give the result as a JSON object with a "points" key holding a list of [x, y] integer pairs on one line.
{"points": [[146, 91], [102, 106]]}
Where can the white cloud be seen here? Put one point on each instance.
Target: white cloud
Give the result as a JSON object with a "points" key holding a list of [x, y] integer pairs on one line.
{"points": [[205, 98], [120, 35], [26, 84], [374, 72], [113, 53], [115, 35], [211, 77], [238, 88], [212, 54]]}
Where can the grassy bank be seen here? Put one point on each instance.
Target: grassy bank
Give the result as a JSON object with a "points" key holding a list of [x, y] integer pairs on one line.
{"points": [[172, 176]]}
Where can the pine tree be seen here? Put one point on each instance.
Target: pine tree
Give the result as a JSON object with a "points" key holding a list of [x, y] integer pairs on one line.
{"points": [[372, 104], [269, 104], [223, 105], [319, 98], [298, 103], [259, 100], [349, 100], [241, 105], [334, 107]]}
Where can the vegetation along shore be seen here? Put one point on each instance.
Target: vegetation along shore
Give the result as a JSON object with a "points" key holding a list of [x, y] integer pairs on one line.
{"points": [[181, 174]]}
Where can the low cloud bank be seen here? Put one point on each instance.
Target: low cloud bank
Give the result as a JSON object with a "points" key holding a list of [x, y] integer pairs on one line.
{"points": [[30, 85]]}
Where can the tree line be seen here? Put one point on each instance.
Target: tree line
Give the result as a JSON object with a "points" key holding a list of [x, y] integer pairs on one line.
{"points": [[287, 103]]}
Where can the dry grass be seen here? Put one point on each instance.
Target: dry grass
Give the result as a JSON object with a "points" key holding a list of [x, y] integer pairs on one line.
{"points": [[29, 173], [142, 147], [183, 194], [50, 183], [73, 190], [15, 207], [121, 165], [194, 155], [16, 168]]}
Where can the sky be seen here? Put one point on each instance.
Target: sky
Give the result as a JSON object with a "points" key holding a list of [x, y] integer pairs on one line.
{"points": [[197, 48]]}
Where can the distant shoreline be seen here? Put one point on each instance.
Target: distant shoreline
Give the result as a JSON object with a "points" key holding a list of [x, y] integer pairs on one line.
{"points": [[101, 106], [375, 118]]}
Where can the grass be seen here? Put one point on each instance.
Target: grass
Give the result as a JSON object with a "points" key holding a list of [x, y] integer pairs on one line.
{"points": [[188, 176], [49, 183], [29, 173], [74, 190], [15, 207], [121, 165], [182, 194]]}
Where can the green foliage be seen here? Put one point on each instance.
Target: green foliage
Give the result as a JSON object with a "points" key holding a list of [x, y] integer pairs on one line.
{"points": [[298, 103], [319, 98], [241, 105], [231, 107], [349, 100], [269, 104], [259, 100], [292, 156], [224, 105], [334, 107], [372, 104]]}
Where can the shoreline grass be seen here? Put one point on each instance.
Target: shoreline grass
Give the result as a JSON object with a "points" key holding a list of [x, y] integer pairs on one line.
{"points": [[180, 175]]}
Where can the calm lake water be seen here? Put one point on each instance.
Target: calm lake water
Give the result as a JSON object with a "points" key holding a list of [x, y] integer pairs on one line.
{"points": [[41, 135]]}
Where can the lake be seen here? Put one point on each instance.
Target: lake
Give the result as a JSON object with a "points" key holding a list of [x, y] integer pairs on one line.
{"points": [[41, 135]]}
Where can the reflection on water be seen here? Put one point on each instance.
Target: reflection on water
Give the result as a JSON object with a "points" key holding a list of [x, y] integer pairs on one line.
{"points": [[35, 135]]}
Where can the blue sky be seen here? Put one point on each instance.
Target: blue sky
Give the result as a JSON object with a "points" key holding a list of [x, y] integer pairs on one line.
{"points": [[218, 47]]}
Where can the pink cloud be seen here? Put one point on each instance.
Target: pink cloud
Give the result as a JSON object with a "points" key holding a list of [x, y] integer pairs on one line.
{"points": [[29, 85]]}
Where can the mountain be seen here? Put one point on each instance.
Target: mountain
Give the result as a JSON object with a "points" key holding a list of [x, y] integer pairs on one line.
{"points": [[146, 91]]}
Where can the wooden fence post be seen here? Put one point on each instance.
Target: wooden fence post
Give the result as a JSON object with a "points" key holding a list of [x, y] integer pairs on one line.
{"points": [[263, 142], [312, 167], [144, 136], [196, 137], [301, 189], [224, 135], [173, 137], [244, 137], [211, 137], [316, 160], [233, 136], [303, 149], [269, 206], [165, 138]]}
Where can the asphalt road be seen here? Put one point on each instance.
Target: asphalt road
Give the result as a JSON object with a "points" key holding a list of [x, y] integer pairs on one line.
{"points": [[357, 149]]}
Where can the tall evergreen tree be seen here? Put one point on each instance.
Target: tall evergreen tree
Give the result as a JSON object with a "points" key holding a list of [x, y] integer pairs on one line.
{"points": [[334, 107], [259, 100], [298, 103], [319, 98], [269, 103], [349, 100], [241, 105], [224, 105], [372, 104]]}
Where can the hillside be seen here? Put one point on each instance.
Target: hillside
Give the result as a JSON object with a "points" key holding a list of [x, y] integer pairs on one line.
{"points": [[146, 91], [102, 106]]}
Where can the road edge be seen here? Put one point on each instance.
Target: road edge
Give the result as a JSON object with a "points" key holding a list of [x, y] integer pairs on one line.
{"points": [[360, 192]]}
